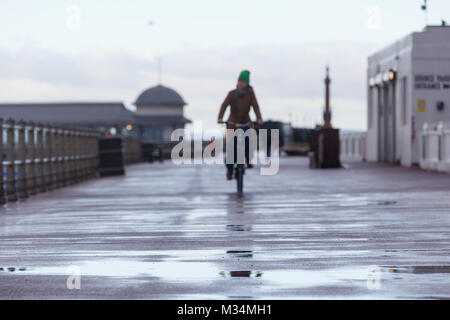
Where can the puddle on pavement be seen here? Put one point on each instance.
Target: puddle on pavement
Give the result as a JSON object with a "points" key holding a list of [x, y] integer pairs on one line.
{"points": [[241, 274], [12, 269], [240, 253], [310, 278], [169, 270], [386, 203], [238, 227]]}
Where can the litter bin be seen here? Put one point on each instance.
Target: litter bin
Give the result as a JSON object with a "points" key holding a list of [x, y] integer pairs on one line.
{"points": [[147, 152], [110, 157]]}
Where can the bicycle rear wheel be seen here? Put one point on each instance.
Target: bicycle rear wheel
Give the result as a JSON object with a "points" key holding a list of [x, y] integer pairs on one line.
{"points": [[240, 177]]}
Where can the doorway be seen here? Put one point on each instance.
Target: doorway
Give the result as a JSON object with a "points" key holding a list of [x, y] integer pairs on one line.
{"points": [[386, 123]]}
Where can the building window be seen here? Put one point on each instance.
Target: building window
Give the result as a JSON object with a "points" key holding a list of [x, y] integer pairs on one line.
{"points": [[404, 99]]}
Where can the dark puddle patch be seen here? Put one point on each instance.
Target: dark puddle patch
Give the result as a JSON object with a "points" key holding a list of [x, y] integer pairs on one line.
{"points": [[241, 274], [238, 227], [12, 269], [240, 253], [419, 269], [386, 203]]}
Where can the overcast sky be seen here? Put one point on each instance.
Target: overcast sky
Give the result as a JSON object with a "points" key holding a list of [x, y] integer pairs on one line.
{"points": [[58, 50]]}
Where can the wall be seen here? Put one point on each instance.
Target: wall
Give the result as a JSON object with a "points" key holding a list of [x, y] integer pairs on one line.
{"points": [[435, 147], [159, 110], [423, 53], [353, 146]]}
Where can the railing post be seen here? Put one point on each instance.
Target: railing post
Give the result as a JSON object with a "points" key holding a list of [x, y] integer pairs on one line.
{"points": [[10, 157], [21, 165], [64, 156], [85, 148], [70, 154], [31, 155], [56, 157], [2, 180], [39, 159], [77, 159], [92, 154], [48, 158], [90, 166], [96, 153], [81, 146]]}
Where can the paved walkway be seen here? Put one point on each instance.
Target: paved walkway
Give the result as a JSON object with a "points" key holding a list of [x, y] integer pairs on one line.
{"points": [[368, 231]]}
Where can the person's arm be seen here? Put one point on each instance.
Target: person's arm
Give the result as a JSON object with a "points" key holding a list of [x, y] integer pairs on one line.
{"points": [[224, 106], [256, 108]]}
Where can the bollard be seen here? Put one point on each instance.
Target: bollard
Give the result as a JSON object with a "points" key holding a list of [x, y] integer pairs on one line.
{"points": [[10, 156]]}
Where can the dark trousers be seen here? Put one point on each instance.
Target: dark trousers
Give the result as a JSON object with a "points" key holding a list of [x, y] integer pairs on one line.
{"points": [[235, 146]]}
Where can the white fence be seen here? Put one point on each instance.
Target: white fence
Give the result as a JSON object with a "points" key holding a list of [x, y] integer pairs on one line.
{"points": [[435, 147], [353, 146]]}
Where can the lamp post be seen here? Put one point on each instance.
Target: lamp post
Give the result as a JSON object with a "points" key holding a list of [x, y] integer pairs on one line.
{"points": [[327, 112]]}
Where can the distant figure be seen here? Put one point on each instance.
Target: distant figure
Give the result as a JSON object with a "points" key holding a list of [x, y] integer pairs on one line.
{"points": [[240, 100]]}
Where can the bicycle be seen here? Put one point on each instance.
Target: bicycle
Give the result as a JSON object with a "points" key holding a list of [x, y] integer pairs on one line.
{"points": [[239, 168]]}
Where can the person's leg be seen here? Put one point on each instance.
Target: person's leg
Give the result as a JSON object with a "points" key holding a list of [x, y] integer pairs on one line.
{"points": [[230, 143], [247, 151]]}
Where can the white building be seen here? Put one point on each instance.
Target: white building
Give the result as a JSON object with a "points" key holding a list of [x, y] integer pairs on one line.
{"points": [[408, 85]]}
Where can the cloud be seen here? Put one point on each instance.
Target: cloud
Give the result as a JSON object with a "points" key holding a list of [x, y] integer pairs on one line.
{"points": [[288, 79], [84, 70]]}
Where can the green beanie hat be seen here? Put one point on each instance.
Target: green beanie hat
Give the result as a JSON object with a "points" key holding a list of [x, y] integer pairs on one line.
{"points": [[245, 76]]}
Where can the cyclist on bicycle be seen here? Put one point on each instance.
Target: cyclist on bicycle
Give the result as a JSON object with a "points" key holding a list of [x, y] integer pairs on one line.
{"points": [[240, 100]]}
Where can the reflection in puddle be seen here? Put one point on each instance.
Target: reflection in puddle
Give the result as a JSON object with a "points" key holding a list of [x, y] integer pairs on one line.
{"points": [[386, 203], [241, 274], [169, 270], [12, 269], [238, 227], [240, 253], [419, 269], [309, 278]]}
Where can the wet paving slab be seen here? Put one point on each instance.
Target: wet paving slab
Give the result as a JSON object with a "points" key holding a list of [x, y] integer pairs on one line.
{"points": [[369, 231]]}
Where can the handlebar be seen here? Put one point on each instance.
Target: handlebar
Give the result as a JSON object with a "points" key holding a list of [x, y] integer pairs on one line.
{"points": [[255, 124]]}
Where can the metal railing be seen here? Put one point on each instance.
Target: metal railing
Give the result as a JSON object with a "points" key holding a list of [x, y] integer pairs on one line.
{"points": [[435, 147], [38, 158], [353, 146]]}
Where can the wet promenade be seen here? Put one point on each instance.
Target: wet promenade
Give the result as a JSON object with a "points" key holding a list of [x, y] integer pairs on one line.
{"points": [[168, 232]]}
